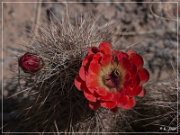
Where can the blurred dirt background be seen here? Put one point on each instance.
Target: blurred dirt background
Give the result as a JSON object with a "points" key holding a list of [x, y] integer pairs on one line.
{"points": [[150, 28]]}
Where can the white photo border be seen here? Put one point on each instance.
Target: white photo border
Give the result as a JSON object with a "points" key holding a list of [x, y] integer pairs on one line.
{"points": [[177, 15]]}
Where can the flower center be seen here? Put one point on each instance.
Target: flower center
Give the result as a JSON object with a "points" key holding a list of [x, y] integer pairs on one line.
{"points": [[112, 80]]}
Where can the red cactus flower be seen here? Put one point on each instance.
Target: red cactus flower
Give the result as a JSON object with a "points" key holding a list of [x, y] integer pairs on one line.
{"points": [[30, 63], [111, 78]]}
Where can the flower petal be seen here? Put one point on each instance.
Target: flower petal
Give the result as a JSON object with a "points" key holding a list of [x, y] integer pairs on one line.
{"points": [[97, 57], [82, 73], [94, 67], [122, 100], [101, 91], [93, 50], [136, 80], [78, 81], [121, 55], [132, 81], [87, 60], [143, 74], [136, 58], [142, 93], [128, 66], [132, 69], [133, 91], [114, 109], [106, 59], [130, 104], [90, 96], [110, 96], [108, 105], [105, 48], [94, 106], [92, 80], [125, 63]]}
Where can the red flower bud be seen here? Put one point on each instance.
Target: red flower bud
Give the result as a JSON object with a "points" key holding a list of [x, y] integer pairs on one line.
{"points": [[110, 78], [30, 63]]}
